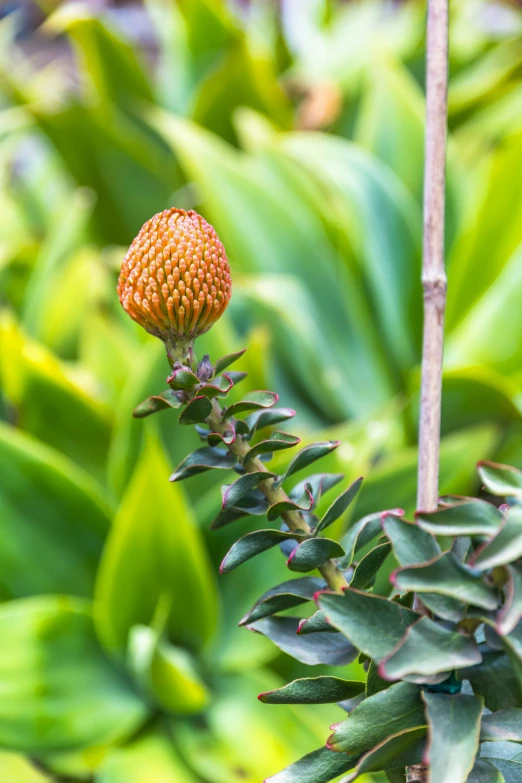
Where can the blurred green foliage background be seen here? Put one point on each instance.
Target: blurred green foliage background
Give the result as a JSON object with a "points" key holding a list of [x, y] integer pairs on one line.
{"points": [[296, 128]]}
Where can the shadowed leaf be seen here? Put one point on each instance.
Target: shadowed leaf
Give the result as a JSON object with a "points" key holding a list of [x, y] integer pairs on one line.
{"points": [[268, 418], [305, 503], [331, 649], [314, 690], [284, 596], [501, 726], [201, 460], [316, 623], [506, 547], [398, 751], [388, 712], [453, 735], [367, 568]]}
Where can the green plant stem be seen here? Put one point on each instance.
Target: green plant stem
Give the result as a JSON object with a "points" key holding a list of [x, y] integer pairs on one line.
{"points": [[333, 575]]}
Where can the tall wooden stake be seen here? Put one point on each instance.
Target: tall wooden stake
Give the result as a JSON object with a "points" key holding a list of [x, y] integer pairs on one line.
{"points": [[433, 274], [433, 271]]}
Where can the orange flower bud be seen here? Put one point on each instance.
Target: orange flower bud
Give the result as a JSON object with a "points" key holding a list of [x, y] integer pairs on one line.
{"points": [[175, 278]]}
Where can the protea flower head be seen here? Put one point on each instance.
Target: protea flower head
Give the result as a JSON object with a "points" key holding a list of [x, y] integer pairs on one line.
{"points": [[175, 279]]}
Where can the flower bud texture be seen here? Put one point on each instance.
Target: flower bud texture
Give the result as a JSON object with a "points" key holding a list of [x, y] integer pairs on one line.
{"points": [[175, 278]]}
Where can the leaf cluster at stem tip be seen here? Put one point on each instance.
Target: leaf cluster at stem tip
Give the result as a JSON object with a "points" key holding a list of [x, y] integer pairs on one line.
{"points": [[444, 680]]}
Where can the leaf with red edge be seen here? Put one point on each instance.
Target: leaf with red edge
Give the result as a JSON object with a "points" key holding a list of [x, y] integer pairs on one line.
{"points": [[472, 518], [502, 480], [373, 624], [387, 712], [398, 751], [268, 418], [277, 442], [511, 612], [313, 553], [197, 411], [253, 401], [317, 623], [446, 575], [158, 402], [182, 378], [453, 735], [304, 503], [428, 649], [233, 493], [505, 547], [220, 389]]}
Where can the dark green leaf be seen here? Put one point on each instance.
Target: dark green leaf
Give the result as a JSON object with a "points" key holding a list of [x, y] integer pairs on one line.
{"points": [[197, 411], [361, 532], [320, 766], [474, 518], [429, 648], [314, 624], [446, 575], [304, 503], [276, 442], [506, 547], [253, 502], [202, 460], [308, 455], [233, 493], [227, 360], [314, 690], [502, 480], [453, 731], [496, 680], [219, 389], [253, 401], [374, 683], [373, 624], [236, 377], [388, 712], [364, 574], [313, 553], [339, 505], [513, 642], [410, 542], [396, 752], [260, 419], [251, 545], [284, 596], [484, 772], [160, 402], [331, 649], [227, 438], [502, 725], [511, 612], [182, 378]]}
